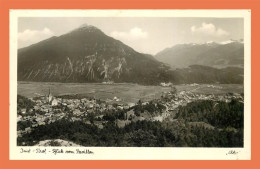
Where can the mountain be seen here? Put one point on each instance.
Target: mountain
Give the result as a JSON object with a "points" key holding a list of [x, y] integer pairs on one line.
{"points": [[86, 54], [219, 55], [205, 74]]}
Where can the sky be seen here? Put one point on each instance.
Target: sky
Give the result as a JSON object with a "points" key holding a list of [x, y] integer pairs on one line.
{"points": [[144, 34]]}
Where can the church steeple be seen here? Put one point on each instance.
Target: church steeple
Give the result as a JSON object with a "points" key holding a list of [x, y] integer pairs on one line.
{"points": [[50, 96]]}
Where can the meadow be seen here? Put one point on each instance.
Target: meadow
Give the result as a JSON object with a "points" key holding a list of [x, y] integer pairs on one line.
{"points": [[126, 92]]}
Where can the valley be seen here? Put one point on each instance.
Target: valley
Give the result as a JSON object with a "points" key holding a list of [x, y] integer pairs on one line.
{"points": [[85, 88], [127, 92], [63, 115]]}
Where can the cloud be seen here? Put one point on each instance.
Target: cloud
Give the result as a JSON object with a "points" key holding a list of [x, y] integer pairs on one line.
{"points": [[28, 36], [209, 29], [133, 34]]}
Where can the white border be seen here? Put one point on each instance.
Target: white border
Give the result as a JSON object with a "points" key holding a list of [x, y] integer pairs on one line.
{"points": [[122, 153]]}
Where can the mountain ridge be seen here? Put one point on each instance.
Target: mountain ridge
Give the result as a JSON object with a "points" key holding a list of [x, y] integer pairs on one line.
{"points": [[219, 55], [86, 54]]}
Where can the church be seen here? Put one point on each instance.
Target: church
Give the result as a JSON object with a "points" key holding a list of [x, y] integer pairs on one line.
{"points": [[51, 100]]}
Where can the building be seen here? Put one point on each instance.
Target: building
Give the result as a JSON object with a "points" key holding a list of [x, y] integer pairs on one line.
{"points": [[49, 97], [166, 84], [23, 111], [54, 102]]}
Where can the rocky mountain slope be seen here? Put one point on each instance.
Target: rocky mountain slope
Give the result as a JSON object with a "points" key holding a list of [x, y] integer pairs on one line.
{"points": [[86, 54]]}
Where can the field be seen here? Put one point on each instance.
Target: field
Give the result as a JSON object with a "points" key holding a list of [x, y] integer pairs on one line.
{"points": [[212, 89], [124, 91]]}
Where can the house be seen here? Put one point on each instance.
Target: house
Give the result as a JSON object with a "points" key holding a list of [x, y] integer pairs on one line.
{"points": [[36, 107], [90, 105], [77, 112], [126, 107], [115, 98], [166, 84], [23, 111], [145, 103], [54, 102], [110, 107], [27, 130], [130, 113], [19, 118], [35, 125], [131, 105]]}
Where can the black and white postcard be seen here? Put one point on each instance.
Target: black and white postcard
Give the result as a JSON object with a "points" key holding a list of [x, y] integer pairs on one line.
{"points": [[130, 84]]}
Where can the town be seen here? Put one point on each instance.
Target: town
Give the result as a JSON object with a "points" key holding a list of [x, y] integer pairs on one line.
{"points": [[48, 109]]}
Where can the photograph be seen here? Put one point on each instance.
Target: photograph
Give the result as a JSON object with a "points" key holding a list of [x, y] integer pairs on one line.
{"points": [[130, 82]]}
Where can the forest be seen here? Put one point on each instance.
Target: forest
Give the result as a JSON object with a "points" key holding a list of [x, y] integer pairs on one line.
{"points": [[218, 114], [226, 120]]}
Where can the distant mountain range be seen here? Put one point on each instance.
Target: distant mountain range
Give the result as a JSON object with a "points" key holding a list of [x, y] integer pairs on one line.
{"points": [[86, 54], [219, 55]]}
